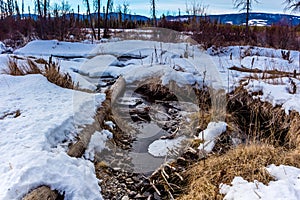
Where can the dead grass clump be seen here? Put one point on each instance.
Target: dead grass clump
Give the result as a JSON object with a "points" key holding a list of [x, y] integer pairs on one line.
{"points": [[245, 161], [32, 68], [16, 69], [294, 131], [13, 68], [53, 74], [153, 89], [258, 121], [41, 61]]}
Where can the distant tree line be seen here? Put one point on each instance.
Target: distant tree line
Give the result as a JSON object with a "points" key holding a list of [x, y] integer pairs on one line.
{"points": [[61, 21], [208, 33]]}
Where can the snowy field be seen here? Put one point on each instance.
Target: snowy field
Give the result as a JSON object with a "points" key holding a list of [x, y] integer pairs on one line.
{"points": [[39, 119]]}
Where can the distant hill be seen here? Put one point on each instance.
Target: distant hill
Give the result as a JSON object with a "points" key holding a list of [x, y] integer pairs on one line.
{"points": [[259, 19]]}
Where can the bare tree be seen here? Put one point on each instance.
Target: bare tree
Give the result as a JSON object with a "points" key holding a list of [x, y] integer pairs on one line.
{"points": [[125, 7], [45, 8], [99, 18], [90, 16], [3, 5], [38, 3], [23, 8], [195, 8], [245, 5], [109, 7], [97, 10], [293, 5], [10, 7], [153, 9], [17, 10]]}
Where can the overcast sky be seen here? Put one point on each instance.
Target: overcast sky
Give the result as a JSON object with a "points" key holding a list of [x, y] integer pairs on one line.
{"points": [[142, 7]]}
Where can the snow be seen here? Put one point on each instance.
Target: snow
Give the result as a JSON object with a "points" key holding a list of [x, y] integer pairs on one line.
{"points": [[97, 143], [213, 130], [161, 148], [51, 117], [277, 93], [2, 47], [55, 47], [285, 186], [110, 124], [258, 22], [32, 145]]}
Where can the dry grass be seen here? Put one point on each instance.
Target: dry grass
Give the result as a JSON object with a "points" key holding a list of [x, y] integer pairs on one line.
{"points": [[294, 131], [274, 72], [13, 68], [248, 162], [51, 72], [258, 121], [271, 137], [16, 69]]}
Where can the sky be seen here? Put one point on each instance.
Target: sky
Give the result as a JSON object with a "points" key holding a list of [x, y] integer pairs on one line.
{"points": [[142, 7]]}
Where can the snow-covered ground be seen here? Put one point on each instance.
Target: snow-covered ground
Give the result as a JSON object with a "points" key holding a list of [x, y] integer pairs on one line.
{"points": [[285, 186], [33, 143]]}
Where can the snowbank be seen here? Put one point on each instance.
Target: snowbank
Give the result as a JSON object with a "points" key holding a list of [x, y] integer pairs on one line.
{"points": [[33, 142], [277, 93], [55, 47], [286, 186], [213, 130]]}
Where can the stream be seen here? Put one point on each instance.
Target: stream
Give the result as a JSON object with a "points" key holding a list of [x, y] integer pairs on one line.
{"points": [[147, 120]]}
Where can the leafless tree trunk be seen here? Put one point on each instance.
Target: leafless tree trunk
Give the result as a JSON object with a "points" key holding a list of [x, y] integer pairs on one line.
{"points": [[153, 9], [106, 35], [245, 5], [90, 16], [99, 8], [17, 10], [45, 9], [39, 8]]}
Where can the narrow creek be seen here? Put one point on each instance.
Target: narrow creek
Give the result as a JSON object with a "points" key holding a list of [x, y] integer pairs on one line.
{"points": [[147, 120], [151, 131]]}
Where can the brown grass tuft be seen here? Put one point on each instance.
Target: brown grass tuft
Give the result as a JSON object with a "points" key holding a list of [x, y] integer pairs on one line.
{"points": [[13, 69], [53, 74], [32, 68], [248, 162]]}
